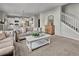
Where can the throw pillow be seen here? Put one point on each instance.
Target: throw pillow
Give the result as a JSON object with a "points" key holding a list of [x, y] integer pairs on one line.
{"points": [[2, 36], [8, 33]]}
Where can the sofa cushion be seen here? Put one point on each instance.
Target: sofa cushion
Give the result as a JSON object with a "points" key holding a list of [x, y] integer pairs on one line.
{"points": [[23, 35], [6, 44], [6, 50], [24, 30], [9, 33], [2, 36]]}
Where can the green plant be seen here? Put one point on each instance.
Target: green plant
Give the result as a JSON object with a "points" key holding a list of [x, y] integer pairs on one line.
{"points": [[35, 34]]}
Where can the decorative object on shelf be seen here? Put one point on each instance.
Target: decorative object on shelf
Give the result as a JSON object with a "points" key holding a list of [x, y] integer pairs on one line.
{"points": [[16, 21], [16, 24], [35, 34], [2, 21], [11, 23]]}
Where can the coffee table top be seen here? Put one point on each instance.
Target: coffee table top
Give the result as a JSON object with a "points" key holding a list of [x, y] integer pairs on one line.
{"points": [[32, 38]]}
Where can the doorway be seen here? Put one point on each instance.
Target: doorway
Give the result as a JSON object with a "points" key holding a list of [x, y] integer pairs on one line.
{"points": [[38, 22]]}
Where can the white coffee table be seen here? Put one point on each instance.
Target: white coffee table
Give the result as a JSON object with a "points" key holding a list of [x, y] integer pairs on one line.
{"points": [[35, 42]]}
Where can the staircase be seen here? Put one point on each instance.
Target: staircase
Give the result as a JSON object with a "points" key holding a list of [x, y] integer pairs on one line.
{"points": [[70, 25]]}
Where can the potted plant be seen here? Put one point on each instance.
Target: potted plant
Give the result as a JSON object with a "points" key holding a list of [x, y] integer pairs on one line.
{"points": [[35, 34]]}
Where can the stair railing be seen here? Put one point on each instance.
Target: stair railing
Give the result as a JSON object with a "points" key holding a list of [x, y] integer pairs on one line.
{"points": [[70, 21]]}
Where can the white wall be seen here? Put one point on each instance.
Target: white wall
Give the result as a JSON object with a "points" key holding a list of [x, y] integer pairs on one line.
{"points": [[72, 9], [44, 19], [2, 15]]}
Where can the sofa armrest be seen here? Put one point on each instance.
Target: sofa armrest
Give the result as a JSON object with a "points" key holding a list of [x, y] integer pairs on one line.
{"points": [[6, 39]]}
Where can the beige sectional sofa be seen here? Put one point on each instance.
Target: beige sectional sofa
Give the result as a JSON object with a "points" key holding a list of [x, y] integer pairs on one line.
{"points": [[20, 34], [6, 44]]}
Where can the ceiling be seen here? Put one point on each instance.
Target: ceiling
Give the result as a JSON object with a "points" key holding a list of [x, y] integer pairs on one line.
{"points": [[27, 8]]}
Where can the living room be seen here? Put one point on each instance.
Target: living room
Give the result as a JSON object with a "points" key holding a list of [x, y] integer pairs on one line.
{"points": [[38, 29], [16, 24]]}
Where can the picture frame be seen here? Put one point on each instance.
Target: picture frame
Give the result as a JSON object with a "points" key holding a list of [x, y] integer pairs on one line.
{"points": [[51, 19]]}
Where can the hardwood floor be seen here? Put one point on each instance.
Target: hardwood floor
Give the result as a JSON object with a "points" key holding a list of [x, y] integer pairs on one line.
{"points": [[59, 46]]}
